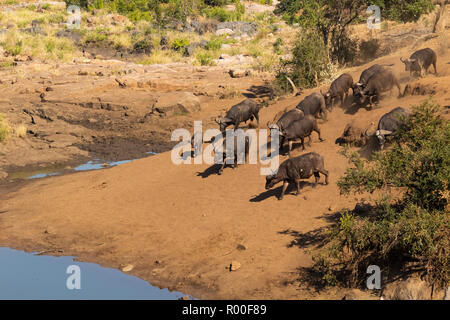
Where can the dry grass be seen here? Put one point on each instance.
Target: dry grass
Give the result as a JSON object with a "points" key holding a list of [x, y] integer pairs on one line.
{"points": [[5, 129], [20, 131]]}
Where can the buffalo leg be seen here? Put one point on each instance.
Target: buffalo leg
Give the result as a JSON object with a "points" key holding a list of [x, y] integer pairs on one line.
{"points": [[283, 190], [317, 178], [290, 148], [309, 141], [434, 65], [297, 182], [325, 173], [257, 119], [221, 168], [318, 132]]}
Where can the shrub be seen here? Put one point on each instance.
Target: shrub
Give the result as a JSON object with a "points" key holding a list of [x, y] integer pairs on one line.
{"points": [[20, 131], [179, 44], [5, 129], [309, 65], [369, 49], [205, 59], [277, 46], [413, 230], [215, 43]]}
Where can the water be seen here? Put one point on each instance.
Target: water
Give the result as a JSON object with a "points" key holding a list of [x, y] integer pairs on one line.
{"points": [[95, 164], [27, 276]]}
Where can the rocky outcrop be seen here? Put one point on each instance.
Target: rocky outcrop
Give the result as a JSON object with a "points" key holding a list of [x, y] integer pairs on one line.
{"points": [[176, 103]]}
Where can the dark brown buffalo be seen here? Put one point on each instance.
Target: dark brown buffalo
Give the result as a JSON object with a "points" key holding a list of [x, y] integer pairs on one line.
{"points": [[294, 169], [300, 129], [377, 84], [338, 89], [390, 123], [314, 104], [364, 78], [420, 61], [241, 112], [236, 155]]}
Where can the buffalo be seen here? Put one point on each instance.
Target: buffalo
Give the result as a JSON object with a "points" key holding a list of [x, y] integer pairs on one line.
{"points": [[338, 89], [420, 61], [389, 124], [294, 169], [285, 120], [237, 152], [365, 76], [241, 112], [300, 129], [314, 105], [380, 82]]}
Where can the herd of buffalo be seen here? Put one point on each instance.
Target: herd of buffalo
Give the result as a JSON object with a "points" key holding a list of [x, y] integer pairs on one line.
{"points": [[300, 122]]}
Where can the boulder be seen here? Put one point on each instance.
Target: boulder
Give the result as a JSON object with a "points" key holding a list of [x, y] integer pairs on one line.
{"points": [[224, 31], [238, 27], [411, 289], [238, 73], [235, 265], [176, 103]]}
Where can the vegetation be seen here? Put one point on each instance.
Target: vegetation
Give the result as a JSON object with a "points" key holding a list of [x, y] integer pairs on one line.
{"points": [[331, 19], [309, 65], [5, 129], [412, 230]]}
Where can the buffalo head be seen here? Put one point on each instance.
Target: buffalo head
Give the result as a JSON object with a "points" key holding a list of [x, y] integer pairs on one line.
{"points": [[410, 64], [223, 123]]}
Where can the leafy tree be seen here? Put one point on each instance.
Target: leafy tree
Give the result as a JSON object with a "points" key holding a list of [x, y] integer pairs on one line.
{"points": [[309, 65], [332, 18], [412, 231]]}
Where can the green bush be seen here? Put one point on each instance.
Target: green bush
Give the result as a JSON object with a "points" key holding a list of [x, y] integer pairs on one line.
{"points": [[179, 44], [331, 19], [5, 129], [205, 59], [277, 46], [411, 232], [310, 63], [215, 43]]}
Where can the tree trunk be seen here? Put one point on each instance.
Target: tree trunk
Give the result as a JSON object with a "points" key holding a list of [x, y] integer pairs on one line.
{"points": [[439, 24]]}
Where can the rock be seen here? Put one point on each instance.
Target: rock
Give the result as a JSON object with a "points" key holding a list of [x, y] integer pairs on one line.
{"points": [[22, 58], [225, 31], [176, 103], [60, 140], [225, 46], [164, 41], [190, 49], [331, 208], [128, 268], [185, 298], [410, 289], [238, 27], [3, 174], [36, 30], [235, 265], [241, 247], [143, 46], [234, 60], [238, 73], [82, 73]]}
